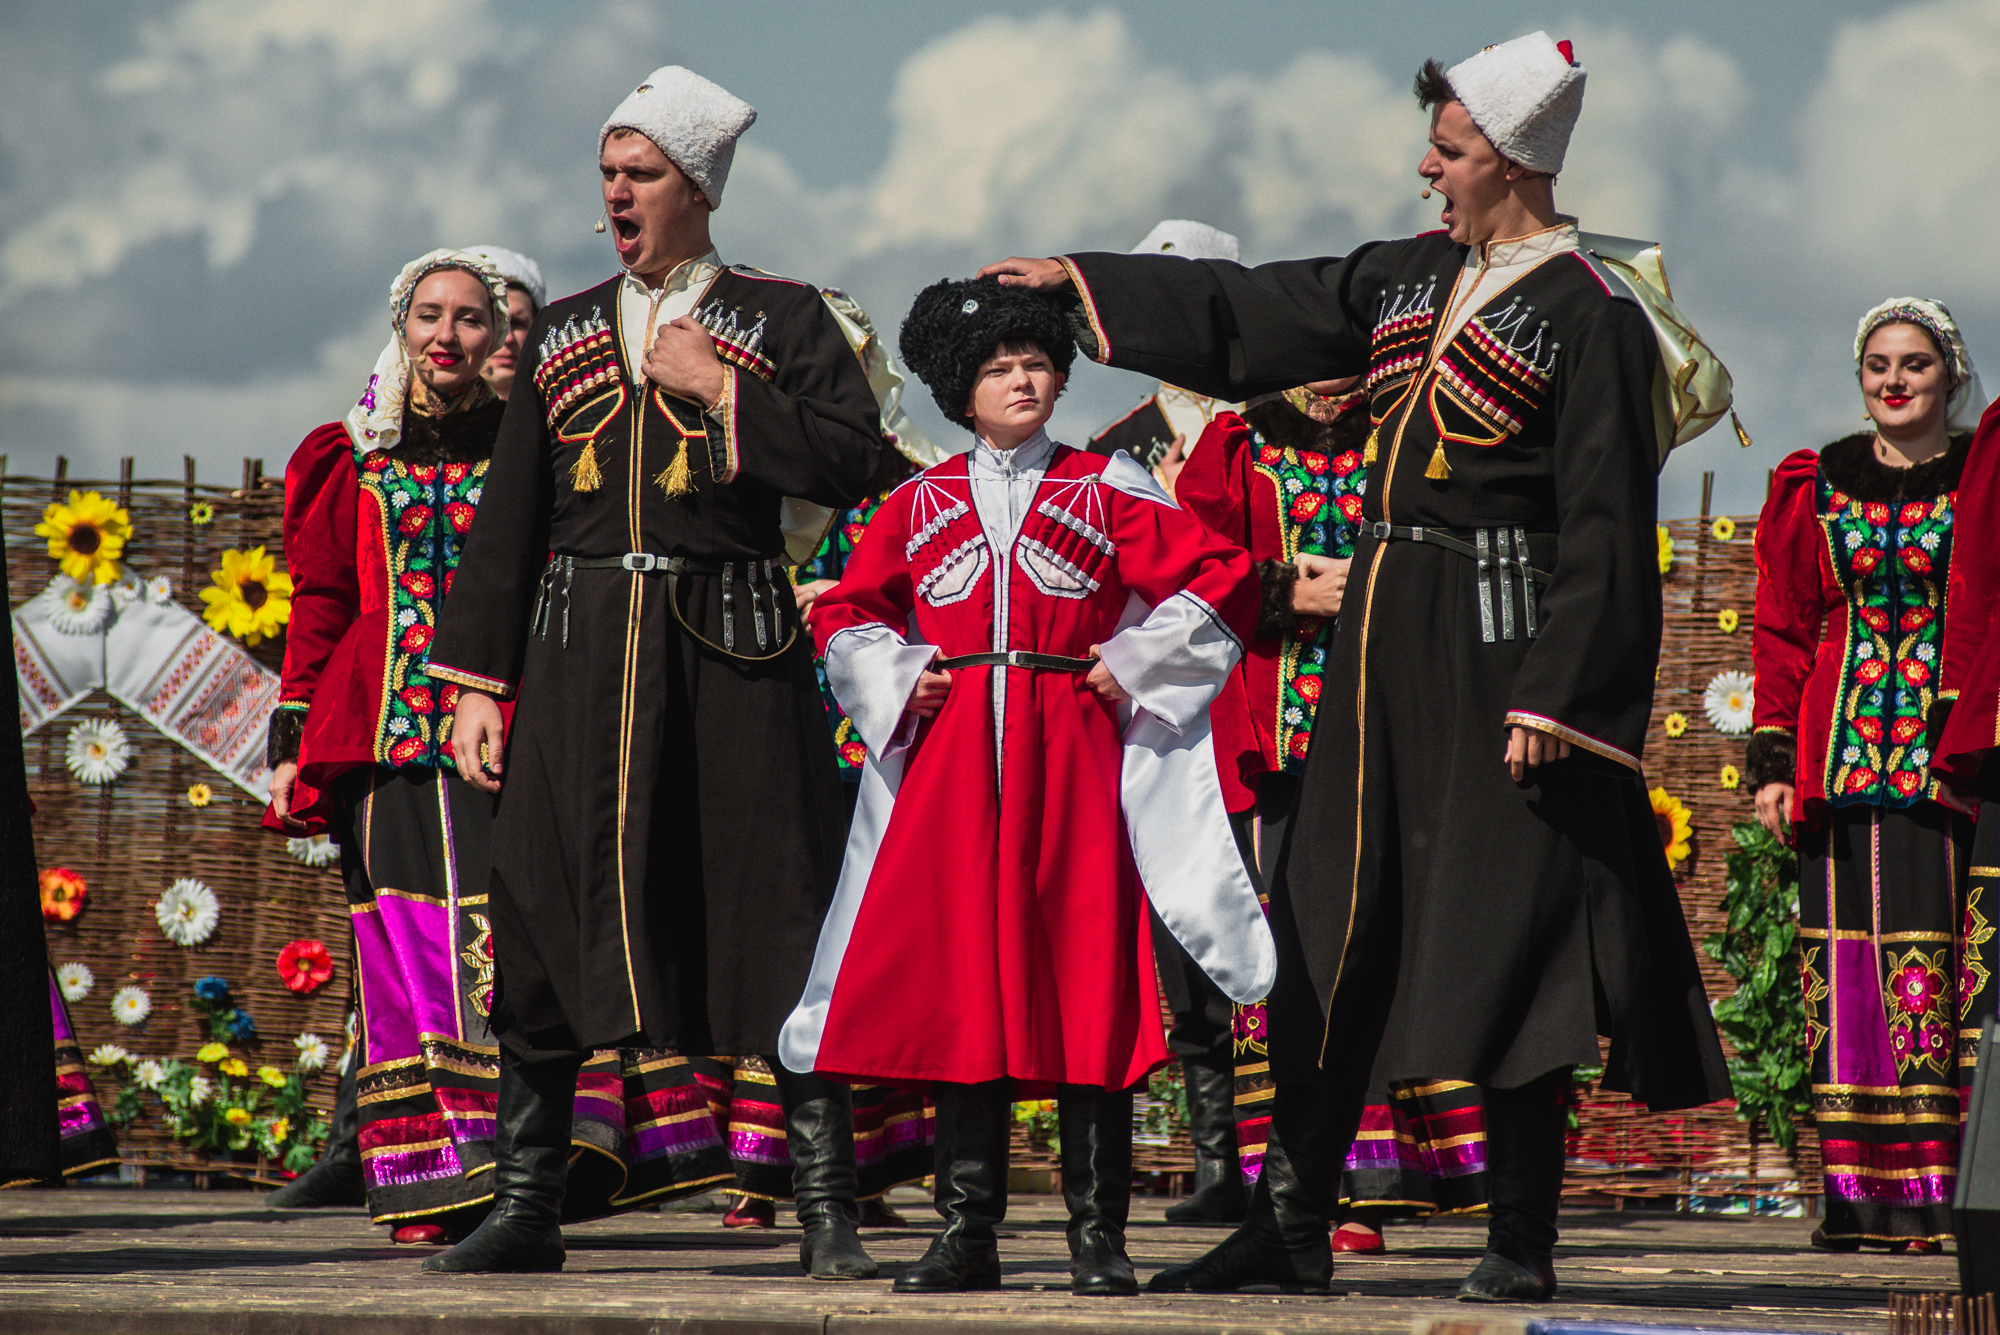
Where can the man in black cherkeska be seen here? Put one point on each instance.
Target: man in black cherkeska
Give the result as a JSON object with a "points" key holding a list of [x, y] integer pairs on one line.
{"points": [[670, 822], [1474, 887]]}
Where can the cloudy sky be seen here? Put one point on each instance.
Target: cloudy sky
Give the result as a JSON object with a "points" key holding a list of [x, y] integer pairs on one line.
{"points": [[202, 201]]}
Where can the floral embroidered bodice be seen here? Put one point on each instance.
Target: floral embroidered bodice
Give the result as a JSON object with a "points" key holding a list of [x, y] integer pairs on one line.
{"points": [[426, 511], [1892, 560]]}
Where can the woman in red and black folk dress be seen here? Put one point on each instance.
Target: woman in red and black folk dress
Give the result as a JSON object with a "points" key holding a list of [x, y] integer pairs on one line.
{"points": [[1027, 638], [377, 507], [1855, 549]]}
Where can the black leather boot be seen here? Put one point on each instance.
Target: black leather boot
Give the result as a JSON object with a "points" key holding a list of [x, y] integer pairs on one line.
{"points": [[1524, 1173], [1096, 1130], [336, 1178], [819, 1129], [1218, 1196], [973, 1126], [1283, 1238], [530, 1169]]}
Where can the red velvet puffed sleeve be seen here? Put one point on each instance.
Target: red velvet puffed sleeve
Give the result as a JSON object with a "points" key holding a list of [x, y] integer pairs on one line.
{"points": [[1969, 687], [1215, 486], [321, 498], [1791, 613]]}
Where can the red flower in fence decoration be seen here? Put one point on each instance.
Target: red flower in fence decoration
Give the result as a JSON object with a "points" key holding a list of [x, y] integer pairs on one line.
{"points": [[305, 965], [63, 894]]}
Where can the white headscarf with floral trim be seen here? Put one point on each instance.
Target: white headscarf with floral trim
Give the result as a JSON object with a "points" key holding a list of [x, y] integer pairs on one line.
{"points": [[1969, 400], [376, 421]]}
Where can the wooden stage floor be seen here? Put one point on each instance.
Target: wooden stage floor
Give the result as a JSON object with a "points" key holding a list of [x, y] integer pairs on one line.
{"points": [[103, 1261]]}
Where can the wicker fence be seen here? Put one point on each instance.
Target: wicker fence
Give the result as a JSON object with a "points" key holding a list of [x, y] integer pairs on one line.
{"points": [[131, 838]]}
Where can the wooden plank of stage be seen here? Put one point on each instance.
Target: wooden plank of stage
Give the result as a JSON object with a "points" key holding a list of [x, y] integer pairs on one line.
{"points": [[104, 1261]]}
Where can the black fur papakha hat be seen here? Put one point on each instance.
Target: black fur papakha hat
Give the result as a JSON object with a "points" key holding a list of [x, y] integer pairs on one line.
{"points": [[955, 324]]}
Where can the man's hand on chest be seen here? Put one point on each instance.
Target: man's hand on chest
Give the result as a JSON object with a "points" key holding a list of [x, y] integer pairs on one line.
{"points": [[682, 361]]}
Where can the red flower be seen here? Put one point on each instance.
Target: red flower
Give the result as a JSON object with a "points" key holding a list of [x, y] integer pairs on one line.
{"points": [[1300, 740], [1867, 559], [63, 894], [1314, 461], [416, 638], [418, 698], [1876, 617], [854, 753], [1270, 454], [1914, 512], [414, 519], [1906, 727], [1860, 779], [1350, 505], [1306, 506], [1308, 689], [418, 583], [1906, 781], [448, 698], [1936, 1039], [1347, 463], [1876, 512], [460, 515], [1838, 500], [853, 533], [1871, 671], [1869, 727], [305, 965], [403, 752], [1916, 559], [424, 472], [1914, 672], [447, 581], [1901, 1041], [375, 461], [1916, 618], [455, 473]]}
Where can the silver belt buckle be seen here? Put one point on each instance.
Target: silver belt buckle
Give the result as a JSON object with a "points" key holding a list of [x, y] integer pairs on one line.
{"points": [[1379, 530], [1014, 658], [641, 562]]}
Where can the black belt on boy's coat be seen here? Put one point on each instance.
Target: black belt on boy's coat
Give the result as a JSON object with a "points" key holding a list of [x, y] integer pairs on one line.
{"points": [[1019, 658], [1501, 554], [765, 581]]}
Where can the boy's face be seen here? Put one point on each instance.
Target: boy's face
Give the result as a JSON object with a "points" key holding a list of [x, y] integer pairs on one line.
{"points": [[1013, 394]]}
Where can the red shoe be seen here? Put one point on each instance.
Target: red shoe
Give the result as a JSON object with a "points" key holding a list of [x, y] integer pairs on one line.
{"points": [[1353, 1237], [420, 1234], [1916, 1247], [752, 1213]]}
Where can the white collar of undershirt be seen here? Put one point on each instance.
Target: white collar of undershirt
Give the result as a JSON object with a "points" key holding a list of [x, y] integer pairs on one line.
{"points": [[1031, 454], [1530, 249]]}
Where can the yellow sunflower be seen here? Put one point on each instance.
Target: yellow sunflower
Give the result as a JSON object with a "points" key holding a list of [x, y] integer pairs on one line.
{"points": [[201, 514], [1723, 528], [1727, 621], [1666, 551], [86, 536], [200, 795], [1676, 825], [250, 599], [1730, 778], [235, 1066], [1675, 724]]}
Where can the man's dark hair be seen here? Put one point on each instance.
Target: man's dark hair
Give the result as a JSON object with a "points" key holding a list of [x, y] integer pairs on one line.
{"points": [[1433, 89]]}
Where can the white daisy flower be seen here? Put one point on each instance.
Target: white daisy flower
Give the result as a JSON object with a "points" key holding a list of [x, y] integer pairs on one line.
{"points": [[75, 980], [1729, 702], [188, 912], [159, 590], [130, 1006], [1853, 539], [1926, 652], [398, 726], [200, 1090], [318, 851], [472, 497], [1920, 758], [108, 1054], [399, 500], [1929, 541], [1851, 756], [76, 608], [125, 590], [98, 751], [407, 617], [1864, 650], [149, 1074], [313, 1052]]}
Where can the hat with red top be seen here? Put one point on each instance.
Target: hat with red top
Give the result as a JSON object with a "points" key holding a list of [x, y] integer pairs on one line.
{"points": [[1524, 96]]}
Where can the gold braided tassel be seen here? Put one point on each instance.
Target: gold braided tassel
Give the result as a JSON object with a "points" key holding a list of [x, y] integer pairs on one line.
{"points": [[1368, 454], [1741, 435], [583, 474], [677, 479], [1439, 467]]}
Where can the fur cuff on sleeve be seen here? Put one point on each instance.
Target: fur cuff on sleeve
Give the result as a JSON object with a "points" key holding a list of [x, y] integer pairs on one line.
{"points": [[1770, 757], [1275, 618], [287, 726]]}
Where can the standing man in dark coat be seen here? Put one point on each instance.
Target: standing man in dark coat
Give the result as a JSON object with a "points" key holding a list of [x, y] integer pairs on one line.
{"points": [[1473, 887], [670, 823]]}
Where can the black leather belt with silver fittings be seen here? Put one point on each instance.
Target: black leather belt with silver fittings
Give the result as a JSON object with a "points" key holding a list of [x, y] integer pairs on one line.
{"points": [[1501, 553], [764, 581], [1016, 658]]}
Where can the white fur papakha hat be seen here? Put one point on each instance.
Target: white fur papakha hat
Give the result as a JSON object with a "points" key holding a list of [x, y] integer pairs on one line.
{"points": [[1524, 96], [694, 122], [1190, 240], [517, 269]]}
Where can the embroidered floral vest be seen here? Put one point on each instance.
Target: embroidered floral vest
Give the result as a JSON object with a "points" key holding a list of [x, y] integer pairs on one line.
{"points": [[827, 562], [1319, 510], [426, 511], [1892, 559]]}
